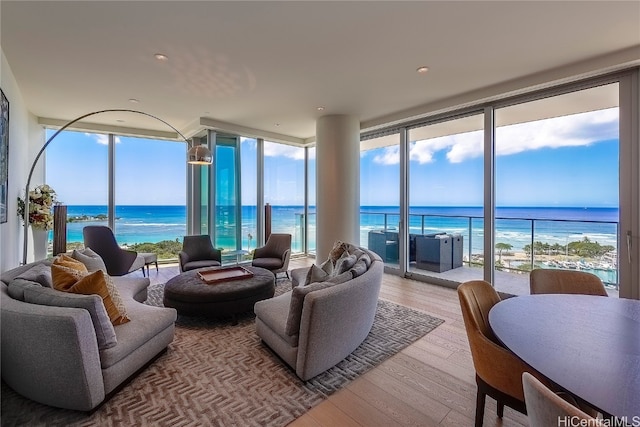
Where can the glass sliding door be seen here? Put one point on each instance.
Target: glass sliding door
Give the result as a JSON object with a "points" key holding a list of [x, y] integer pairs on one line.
{"points": [[446, 190], [228, 228], [249, 218], [380, 196], [557, 187]]}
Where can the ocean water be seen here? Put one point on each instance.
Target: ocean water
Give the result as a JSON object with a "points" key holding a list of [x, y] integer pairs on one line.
{"points": [[515, 226]]}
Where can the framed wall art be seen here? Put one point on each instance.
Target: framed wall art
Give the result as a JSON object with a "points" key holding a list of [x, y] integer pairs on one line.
{"points": [[4, 155]]}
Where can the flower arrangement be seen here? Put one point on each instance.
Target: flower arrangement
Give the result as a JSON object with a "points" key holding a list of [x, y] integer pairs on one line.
{"points": [[41, 201]]}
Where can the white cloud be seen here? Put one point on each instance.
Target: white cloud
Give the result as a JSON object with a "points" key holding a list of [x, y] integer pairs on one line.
{"points": [[272, 149], [389, 156], [567, 131], [101, 138]]}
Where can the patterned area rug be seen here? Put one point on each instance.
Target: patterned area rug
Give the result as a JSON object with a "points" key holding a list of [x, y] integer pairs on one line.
{"points": [[218, 374]]}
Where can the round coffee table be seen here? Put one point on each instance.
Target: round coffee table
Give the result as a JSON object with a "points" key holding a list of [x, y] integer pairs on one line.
{"points": [[190, 295]]}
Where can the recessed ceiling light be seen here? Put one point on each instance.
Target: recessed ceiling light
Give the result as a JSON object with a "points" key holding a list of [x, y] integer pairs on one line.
{"points": [[161, 57], [276, 124], [134, 100], [422, 70], [320, 108]]}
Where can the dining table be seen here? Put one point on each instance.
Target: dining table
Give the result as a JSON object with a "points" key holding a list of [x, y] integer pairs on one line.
{"points": [[587, 345]]}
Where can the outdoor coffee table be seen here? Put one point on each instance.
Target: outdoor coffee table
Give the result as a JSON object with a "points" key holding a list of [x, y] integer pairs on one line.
{"points": [[191, 295]]}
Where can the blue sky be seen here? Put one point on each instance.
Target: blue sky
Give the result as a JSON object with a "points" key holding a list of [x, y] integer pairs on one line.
{"points": [[564, 161]]}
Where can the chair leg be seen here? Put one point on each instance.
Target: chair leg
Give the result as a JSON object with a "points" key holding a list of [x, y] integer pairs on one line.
{"points": [[143, 275], [480, 402], [500, 410]]}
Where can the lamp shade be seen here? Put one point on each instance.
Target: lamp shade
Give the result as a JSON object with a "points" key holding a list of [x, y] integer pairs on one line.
{"points": [[199, 155]]}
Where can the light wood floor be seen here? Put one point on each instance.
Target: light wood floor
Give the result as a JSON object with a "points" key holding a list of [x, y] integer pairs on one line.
{"points": [[430, 383]]}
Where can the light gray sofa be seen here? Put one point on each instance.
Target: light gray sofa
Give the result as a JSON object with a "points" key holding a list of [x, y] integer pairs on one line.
{"points": [[335, 317], [50, 354]]}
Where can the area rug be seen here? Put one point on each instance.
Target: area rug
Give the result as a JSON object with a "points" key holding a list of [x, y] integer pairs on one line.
{"points": [[219, 374]]}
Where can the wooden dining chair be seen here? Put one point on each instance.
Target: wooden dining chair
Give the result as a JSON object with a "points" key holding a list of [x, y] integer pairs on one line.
{"points": [[498, 370], [556, 281], [546, 408]]}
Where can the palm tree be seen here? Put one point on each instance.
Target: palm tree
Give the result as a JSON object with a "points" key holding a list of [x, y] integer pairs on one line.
{"points": [[502, 247]]}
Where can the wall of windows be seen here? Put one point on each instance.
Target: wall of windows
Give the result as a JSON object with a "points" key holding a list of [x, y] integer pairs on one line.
{"points": [[446, 191], [284, 189], [77, 168], [150, 210], [539, 177], [557, 191], [380, 196]]}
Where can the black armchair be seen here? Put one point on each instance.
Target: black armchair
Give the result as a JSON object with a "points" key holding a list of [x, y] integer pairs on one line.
{"points": [[274, 255], [197, 252], [118, 261]]}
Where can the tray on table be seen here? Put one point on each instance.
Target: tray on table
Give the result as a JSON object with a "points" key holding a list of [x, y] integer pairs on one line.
{"points": [[224, 274]]}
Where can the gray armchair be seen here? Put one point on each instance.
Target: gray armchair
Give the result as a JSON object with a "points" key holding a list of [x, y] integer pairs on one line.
{"points": [[117, 260], [197, 252], [274, 255]]}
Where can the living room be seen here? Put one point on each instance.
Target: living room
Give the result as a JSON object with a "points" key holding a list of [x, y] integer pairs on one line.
{"points": [[218, 77]]}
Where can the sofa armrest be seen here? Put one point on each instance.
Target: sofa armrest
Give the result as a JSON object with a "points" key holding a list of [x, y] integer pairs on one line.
{"points": [[184, 258], [50, 354]]}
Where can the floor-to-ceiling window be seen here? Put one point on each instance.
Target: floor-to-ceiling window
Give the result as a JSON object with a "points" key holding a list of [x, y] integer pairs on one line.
{"points": [[557, 186], [380, 196], [149, 188], [77, 169], [150, 197], [446, 191], [284, 190], [248, 172], [311, 200]]}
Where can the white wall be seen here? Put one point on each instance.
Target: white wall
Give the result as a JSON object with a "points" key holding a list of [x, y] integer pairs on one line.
{"points": [[25, 137]]}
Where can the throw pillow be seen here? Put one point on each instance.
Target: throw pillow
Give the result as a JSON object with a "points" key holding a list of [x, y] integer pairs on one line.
{"points": [[359, 268], [338, 249], [105, 333], [64, 277], [327, 266], [67, 261], [90, 259], [115, 295], [341, 278], [295, 306], [344, 263], [315, 274], [17, 286], [96, 284], [39, 273]]}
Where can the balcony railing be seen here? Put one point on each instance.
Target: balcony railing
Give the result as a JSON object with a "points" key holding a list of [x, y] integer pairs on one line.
{"points": [[527, 242]]}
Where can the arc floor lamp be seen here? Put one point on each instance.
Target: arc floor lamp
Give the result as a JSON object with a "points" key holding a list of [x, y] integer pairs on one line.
{"points": [[196, 155]]}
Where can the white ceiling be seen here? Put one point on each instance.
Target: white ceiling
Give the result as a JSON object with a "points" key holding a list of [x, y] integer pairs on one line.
{"points": [[268, 65]]}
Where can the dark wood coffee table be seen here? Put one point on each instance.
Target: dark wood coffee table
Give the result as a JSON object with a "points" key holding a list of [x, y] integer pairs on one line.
{"points": [[190, 295]]}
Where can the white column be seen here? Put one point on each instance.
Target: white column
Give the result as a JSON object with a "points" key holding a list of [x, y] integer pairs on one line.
{"points": [[337, 182]]}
